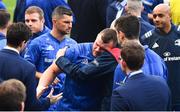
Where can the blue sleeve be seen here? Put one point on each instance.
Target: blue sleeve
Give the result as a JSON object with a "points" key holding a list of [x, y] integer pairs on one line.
{"points": [[103, 64], [33, 52]]}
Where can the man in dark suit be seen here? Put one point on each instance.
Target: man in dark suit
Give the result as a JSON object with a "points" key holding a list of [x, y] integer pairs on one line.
{"points": [[139, 92], [12, 65]]}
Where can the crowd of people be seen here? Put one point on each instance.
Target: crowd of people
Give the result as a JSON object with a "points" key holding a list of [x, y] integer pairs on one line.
{"points": [[90, 55]]}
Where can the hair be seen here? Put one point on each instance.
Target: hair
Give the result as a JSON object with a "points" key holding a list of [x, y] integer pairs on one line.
{"points": [[60, 11], [109, 35], [129, 25], [4, 18], [12, 94], [17, 33], [35, 9], [134, 6], [133, 54]]}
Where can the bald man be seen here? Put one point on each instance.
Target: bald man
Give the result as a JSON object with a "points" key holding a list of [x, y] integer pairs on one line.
{"points": [[165, 41]]}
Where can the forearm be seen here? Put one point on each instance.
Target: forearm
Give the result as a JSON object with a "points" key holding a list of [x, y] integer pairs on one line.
{"points": [[47, 78], [49, 75]]}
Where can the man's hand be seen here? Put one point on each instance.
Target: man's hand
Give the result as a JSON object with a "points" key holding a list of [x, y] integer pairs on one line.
{"points": [[61, 52], [55, 98], [40, 90]]}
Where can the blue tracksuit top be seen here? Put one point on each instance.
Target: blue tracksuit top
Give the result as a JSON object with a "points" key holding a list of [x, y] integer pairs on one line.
{"points": [[167, 46], [42, 51], [153, 65]]}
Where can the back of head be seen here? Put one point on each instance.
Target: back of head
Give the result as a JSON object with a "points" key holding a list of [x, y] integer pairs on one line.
{"points": [[12, 95], [35, 9], [4, 18], [60, 11], [17, 33], [109, 35], [133, 54], [129, 25], [134, 7]]}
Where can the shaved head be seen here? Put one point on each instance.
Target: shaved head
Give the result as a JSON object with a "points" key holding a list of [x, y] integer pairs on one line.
{"points": [[162, 8]]}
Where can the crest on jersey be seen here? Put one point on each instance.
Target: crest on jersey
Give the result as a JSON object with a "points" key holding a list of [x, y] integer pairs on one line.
{"points": [[177, 42]]}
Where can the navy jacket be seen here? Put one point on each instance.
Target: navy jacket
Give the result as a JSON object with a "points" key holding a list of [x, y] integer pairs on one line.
{"points": [[141, 93], [12, 65]]}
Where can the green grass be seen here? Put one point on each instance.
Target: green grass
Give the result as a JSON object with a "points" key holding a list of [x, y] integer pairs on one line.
{"points": [[10, 4]]}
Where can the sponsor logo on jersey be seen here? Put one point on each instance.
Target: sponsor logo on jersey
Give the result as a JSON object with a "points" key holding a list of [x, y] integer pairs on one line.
{"points": [[48, 60], [172, 58], [177, 42], [167, 58]]}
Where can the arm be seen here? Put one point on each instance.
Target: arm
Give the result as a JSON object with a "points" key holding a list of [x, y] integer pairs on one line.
{"points": [[47, 78], [103, 64]]}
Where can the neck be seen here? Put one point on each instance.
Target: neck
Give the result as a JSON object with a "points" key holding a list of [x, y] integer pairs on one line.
{"points": [[18, 49], [57, 35], [3, 31], [167, 29]]}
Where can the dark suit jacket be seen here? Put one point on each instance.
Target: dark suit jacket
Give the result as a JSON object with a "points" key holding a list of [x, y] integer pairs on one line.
{"points": [[142, 92], [14, 66]]}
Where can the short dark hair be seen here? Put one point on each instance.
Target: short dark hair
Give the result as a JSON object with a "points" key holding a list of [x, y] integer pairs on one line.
{"points": [[12, 94], [129, 25], [133, 54], [109, 35], [4, 18], [60, 11], [35, 9], [17, 33]]}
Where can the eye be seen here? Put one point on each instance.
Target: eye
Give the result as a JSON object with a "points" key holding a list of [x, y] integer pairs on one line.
{"points": [[154, 15]]}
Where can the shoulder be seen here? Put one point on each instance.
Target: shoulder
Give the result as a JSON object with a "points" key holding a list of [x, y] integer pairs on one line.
{"points": [[150, 53], [41, 38], [178, 29], [148, 34]]}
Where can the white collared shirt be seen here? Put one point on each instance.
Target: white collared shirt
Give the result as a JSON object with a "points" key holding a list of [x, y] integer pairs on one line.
{"points": [[11, 48]]}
